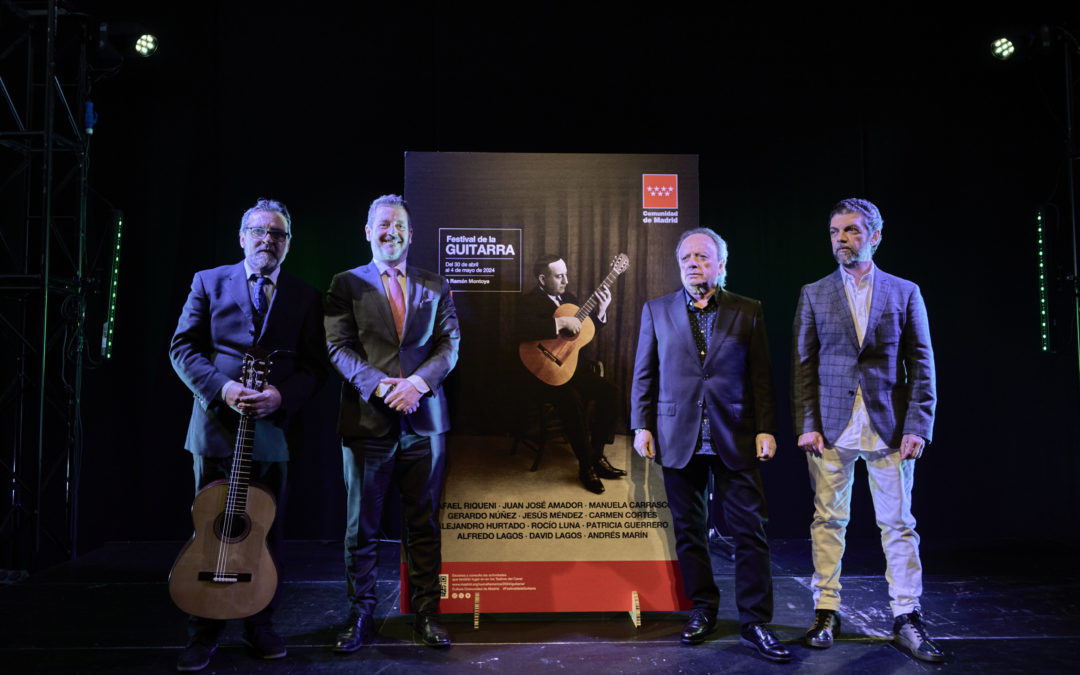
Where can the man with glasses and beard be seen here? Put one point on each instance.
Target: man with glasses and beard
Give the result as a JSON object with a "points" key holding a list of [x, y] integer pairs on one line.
{"points": [[231, 310]]}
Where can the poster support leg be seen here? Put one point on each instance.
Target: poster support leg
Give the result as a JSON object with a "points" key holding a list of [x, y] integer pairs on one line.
{"points": [[635, 609]]}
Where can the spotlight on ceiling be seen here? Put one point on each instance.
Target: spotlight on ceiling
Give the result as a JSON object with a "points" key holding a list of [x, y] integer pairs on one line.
{"points": [[1002, 48], [146, 45]]}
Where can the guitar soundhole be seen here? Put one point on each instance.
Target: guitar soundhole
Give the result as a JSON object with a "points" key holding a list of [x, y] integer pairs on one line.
{"points": [[232, 528]]}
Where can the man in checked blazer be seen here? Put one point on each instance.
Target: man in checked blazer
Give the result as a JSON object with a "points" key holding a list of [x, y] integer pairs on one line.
{"points": [[392, 334], [863, 387]]}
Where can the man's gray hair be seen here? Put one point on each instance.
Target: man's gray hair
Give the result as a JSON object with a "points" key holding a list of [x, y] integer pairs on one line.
{"points": [[268, 205], [874, 221], [388, 200], [721, 249]]}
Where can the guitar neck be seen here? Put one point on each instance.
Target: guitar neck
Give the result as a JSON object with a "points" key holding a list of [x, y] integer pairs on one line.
{"points": [[236, 502], [590, 304]]}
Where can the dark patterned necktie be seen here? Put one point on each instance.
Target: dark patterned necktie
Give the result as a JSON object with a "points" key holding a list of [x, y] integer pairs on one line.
{"points": [[259, 297]]}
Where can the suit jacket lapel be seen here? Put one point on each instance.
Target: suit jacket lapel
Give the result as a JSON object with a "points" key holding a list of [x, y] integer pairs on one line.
{"points": [[878, 298], [680, 322], [238, 291], [284, 295], [370, 274], [414, 292], [842, 308], [725, 321]]}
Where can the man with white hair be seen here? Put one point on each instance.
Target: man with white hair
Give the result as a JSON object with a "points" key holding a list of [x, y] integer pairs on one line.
{"points": [[703, 403]]}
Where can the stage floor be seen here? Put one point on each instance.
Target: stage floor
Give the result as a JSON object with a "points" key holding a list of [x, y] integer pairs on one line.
{"points": [[994, 607]]}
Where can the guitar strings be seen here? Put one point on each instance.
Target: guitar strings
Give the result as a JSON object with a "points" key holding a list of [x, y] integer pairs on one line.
{"points": [[235, 502]]}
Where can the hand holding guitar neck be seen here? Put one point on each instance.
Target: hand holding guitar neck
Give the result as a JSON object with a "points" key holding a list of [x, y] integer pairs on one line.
{"points": [[603, 299], [259, 404]]}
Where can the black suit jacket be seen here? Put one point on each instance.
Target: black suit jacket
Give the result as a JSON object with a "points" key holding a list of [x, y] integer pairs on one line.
{"points": [[364, 347], [217, 327]]}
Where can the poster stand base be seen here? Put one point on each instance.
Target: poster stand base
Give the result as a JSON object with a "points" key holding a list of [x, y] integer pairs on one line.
{"points": [[635, 610]]}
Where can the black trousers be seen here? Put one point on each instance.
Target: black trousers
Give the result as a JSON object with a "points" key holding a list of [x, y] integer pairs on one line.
{"points": [[745, 512], [415, 464], [571, 402]]}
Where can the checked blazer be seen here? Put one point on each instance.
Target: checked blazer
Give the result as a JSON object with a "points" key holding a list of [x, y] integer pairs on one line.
{"points": [[894, 365]]}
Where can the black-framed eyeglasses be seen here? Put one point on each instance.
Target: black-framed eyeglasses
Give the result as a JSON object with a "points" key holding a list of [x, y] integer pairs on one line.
{"points": [[262, 233]]}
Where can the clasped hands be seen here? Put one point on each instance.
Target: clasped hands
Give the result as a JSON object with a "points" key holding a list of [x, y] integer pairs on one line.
{"points": [[257, 404], [403, 396]]}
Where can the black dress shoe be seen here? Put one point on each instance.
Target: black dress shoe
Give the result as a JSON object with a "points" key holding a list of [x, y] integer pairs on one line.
{"points": [[826, 624], [759, 637], [701, 623], [604, 469], [355, 635], [591, 481], [195, 656], [264, 642], [433, 634], [911, 636]]}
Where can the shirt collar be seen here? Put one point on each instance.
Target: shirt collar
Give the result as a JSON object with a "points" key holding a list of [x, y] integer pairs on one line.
{"points": [[273, 276], [868, 278], [382, 266], [709, 306]]}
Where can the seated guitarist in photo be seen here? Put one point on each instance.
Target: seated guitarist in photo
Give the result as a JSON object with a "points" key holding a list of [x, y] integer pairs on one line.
{"points": [[535, 320], [230, 309]]}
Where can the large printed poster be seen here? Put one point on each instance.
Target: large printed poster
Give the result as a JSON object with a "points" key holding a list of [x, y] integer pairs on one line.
{"points": [[522, 529]]}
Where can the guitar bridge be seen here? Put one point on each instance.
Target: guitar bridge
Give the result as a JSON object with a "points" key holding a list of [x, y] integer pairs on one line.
{"points": [[547, 352], [228, 578]]}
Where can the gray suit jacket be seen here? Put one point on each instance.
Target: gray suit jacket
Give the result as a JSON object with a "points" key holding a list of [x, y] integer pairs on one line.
{"points": [[364, 348], [672, 385], [894, 365]]}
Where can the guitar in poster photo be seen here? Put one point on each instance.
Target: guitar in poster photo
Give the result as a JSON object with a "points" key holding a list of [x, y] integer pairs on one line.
{"points": [[225, 571], [553, 361]]}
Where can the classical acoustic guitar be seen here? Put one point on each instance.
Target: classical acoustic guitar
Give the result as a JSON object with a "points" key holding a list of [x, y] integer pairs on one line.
{"points": [[554, 360], [225, 570]]}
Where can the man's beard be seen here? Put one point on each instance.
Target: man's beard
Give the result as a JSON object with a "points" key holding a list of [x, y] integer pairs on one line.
{"points": [[846, 256], [264, 261]]}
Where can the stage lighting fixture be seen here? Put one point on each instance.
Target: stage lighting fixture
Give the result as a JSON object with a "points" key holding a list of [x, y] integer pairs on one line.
{"points": [[146, 45], [1002, 48]]}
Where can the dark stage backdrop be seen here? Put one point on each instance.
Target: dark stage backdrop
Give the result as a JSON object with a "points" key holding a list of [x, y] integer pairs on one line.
{"points": [[318, 108]]}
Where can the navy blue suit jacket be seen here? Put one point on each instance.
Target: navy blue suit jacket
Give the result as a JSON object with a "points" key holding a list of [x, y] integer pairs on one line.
{"points": [[217, 327], [734, 384]]}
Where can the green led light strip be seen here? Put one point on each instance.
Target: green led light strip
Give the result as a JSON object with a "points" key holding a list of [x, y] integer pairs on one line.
{"points": [[1044, 308], [114, 280]]}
